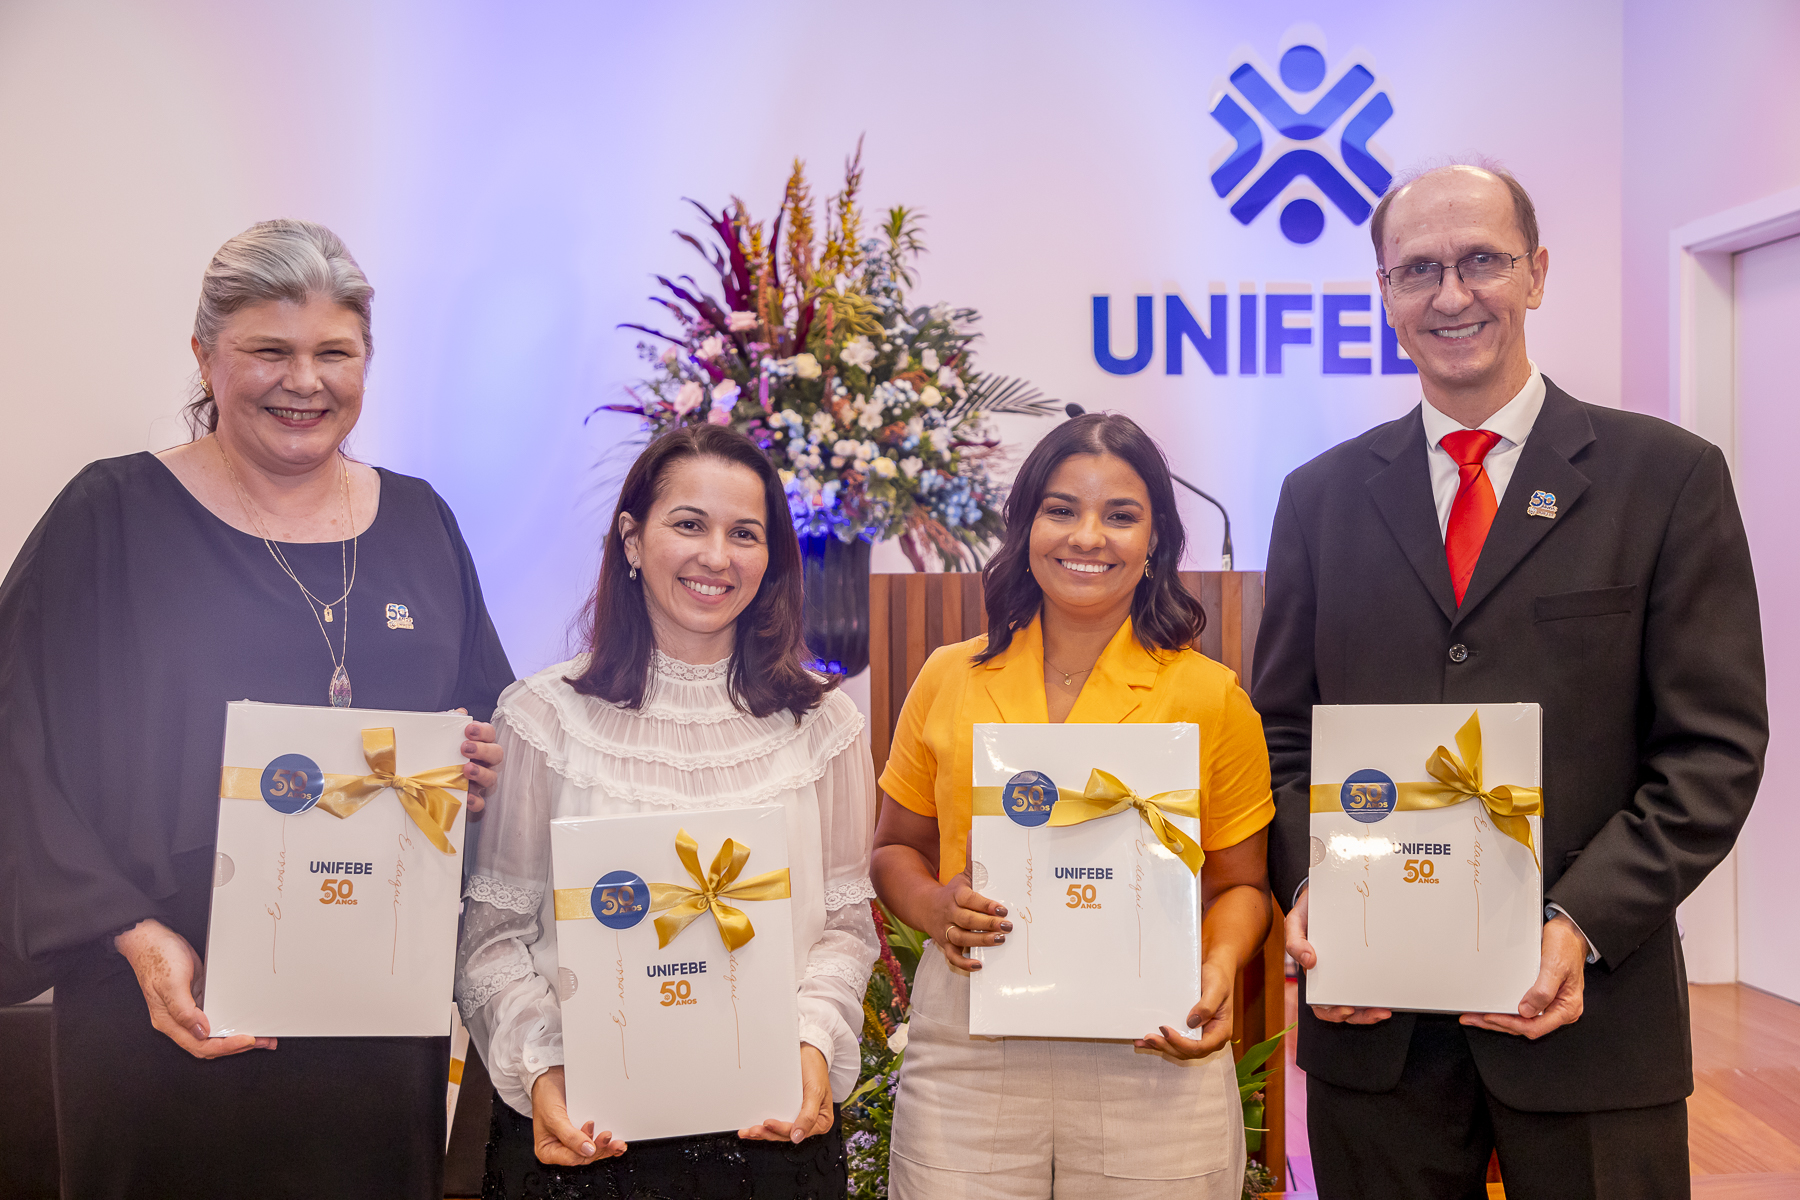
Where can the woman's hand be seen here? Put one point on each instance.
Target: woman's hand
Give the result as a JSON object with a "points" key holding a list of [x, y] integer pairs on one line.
{"points": [[484, 755], [815, 1104], [961, 917], [554, 1137], [167, 970], [1212, 1016]]}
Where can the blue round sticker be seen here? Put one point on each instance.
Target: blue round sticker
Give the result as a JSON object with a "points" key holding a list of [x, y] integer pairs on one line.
{"points": [[620, 899], [1368, 795], [1028, 797], [292, 784]]}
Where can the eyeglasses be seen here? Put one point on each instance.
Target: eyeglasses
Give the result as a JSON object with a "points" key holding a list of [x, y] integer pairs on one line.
{"points": [[1485, 268]]}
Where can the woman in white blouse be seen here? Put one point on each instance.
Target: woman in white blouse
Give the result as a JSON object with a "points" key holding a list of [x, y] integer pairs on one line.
{"points": [[690, 695]]}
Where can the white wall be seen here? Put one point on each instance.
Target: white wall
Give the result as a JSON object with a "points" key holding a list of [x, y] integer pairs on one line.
{"points": [[509, 177]]}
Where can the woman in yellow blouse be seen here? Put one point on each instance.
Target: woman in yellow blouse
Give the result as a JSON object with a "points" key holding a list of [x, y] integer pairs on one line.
{"points": [[1088, 623]]}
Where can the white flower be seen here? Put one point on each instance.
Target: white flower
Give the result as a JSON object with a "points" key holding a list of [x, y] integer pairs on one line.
{"points": [[883, 466], [910, 465], [806, 366], [689, 397], [902, 356], [867, 450], [870, 418], [897, 1039], [947, 378], [712, 347], [823, 421], [941, 311], [860, 353], [931, 397], [928, 359], [725, 393], [940, 440], [741, 322], [671, 355], [844, 448], [915, 428]]}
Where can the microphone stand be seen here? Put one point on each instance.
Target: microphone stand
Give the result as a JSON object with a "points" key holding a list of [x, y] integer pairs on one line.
{"points": [[1075, 410]]}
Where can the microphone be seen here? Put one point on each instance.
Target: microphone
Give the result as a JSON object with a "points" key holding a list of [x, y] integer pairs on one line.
{"points": [[1075, 410]]}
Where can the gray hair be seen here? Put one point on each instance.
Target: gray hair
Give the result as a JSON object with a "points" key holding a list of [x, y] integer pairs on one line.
{"points": [[274, 260]]}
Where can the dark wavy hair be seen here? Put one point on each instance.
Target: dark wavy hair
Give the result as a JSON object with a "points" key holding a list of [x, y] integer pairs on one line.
{"points": [[766, 674], [1164, 614]]}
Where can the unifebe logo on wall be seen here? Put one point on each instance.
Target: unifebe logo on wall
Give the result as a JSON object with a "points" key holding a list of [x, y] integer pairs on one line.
{"points": [[1322, 142], [1299, 154]]}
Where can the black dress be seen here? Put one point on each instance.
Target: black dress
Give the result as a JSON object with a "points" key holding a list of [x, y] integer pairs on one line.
{"points": [[129, 619]]}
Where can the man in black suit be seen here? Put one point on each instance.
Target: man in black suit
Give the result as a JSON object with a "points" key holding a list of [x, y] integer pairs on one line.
{"points": [[1504, 542]]}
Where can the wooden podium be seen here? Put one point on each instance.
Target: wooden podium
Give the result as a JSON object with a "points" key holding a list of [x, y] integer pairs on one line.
{"points": [[912, 614]]}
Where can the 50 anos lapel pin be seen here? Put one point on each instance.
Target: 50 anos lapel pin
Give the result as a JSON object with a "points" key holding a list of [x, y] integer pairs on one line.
{"points": [[1543, 504]]}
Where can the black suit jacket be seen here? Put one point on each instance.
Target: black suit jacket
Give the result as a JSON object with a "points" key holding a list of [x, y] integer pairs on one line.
{"points": [[1630, 617]]}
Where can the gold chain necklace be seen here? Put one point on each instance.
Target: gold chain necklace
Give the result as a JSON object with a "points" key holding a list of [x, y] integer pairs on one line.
{"points": [[338, 693], [1067, 675]]}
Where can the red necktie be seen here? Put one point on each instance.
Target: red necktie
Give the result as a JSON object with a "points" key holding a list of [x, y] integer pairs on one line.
{"points": [[1475, 506]]}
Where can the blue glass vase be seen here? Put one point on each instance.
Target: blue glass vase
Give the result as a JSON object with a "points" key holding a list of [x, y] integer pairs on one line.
{"points": [[836, 579]]}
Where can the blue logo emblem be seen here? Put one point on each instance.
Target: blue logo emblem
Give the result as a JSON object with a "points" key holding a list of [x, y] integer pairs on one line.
{"points": [[620, 899], [1368, 796], [292, 783], [1028, 797], [1323, 143]]}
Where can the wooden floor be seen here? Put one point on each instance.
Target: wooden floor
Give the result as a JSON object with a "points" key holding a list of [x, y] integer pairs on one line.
{"points": [[1744, 1115]]}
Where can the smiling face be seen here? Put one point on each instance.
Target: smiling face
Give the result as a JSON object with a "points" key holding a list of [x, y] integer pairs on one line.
{"points": [[700, 553], [288, 379], [1091, 536], [1465, 343]]}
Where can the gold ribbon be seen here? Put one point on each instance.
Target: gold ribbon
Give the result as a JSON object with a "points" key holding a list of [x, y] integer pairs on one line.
{"points": [[680, 905], [1454, 781], [425, 796], [1106, 795]]}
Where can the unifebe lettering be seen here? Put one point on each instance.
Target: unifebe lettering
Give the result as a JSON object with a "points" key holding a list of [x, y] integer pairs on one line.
{"points": [[1084, 873], [657, 970], [343, 868], [1417, 849]]}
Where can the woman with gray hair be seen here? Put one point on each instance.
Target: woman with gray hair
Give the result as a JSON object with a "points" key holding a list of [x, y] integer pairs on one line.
{"points": [[155, 589]]}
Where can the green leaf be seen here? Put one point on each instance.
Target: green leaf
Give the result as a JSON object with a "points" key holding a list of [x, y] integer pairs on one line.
{"points": [[1259, 1054]]}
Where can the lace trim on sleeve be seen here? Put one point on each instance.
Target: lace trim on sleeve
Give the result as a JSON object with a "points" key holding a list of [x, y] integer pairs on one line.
{"points": [[500, 894], [838, 967], [474, 993], [844, 895]]}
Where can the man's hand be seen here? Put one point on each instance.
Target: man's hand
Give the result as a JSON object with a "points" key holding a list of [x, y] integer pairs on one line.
{"points": [[1302, 952], [167, 970], [1555, 999]]}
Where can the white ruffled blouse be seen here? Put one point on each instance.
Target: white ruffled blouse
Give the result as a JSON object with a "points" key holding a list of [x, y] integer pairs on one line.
{"points": [[688, 747]]}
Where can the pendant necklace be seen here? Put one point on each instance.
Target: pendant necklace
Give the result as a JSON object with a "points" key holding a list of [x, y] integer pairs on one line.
{"points": [[338, 693], [1068, 676]]}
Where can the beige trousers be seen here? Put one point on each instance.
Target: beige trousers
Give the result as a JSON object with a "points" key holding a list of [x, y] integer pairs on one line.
{"points": [[1032, 1118]]}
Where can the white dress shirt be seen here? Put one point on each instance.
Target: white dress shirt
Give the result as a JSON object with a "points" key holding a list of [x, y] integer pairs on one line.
{"points": [[1513, 423]]}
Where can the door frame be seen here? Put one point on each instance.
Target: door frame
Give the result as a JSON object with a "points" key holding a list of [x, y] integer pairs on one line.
{"points": [[1702, 372], [1703, 383]]}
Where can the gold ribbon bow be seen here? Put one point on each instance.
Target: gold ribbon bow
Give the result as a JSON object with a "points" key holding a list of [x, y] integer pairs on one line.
{"points": [[1454, 781], [681, 905], [425, 796], [1106, 795]]}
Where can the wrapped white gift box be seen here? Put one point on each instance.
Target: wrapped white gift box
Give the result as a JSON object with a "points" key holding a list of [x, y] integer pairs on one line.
{"points": [[338, 880], [676, 970], [1106, 916], [1426, 894]]}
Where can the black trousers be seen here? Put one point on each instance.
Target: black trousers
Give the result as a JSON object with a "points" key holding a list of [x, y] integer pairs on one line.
{"points": [[1431, 1137]]}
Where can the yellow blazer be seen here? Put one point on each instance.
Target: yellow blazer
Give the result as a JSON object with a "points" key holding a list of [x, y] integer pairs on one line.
{"points": [[928, 770]]}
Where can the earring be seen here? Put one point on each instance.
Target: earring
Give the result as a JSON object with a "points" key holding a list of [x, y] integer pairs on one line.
{"points": [[206, 389], [634, 572], [1148, 574]]}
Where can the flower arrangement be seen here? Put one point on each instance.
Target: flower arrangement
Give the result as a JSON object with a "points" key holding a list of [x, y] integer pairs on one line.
{"points": [[872, 409]]}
